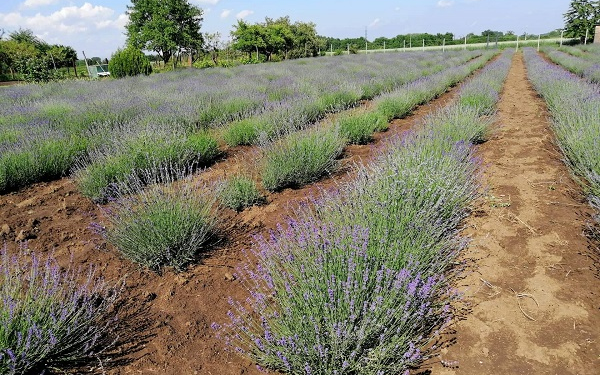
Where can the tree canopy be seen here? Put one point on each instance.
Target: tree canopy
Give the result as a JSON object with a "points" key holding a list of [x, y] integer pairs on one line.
{"points": [[31, 57], [164, 26], [277, 36], [581, 18]]}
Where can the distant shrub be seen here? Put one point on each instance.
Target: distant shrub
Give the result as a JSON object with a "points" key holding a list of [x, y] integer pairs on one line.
{"points": [[48, 319], [359, 128], [301, 158], [162, 224], [239, 192], [203, 64], [129, 62]]}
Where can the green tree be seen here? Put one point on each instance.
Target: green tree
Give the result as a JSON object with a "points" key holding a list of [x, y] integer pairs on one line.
{"points": [[277, 36], [166, 27], [581, 18], [248, 38]]}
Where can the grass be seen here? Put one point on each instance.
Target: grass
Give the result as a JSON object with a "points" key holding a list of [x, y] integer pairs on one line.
{"points": [[239, 192], [300, 158]]}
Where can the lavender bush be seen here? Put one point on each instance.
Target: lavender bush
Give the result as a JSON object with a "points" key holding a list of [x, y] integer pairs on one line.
{"points": [[300, 158], [358, 128], [239, 192], [49, 320], [163, 224], [135, 151], [327, 307]]}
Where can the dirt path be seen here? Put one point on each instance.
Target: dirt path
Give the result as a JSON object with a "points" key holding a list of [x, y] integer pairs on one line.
{"points": [[533, 293]]}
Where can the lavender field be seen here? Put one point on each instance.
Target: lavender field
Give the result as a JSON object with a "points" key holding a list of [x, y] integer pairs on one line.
{"points": [[102, 130], [135, 143], [359, 278]]}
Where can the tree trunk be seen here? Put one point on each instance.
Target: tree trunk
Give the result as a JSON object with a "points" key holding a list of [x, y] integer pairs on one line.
{"points": [[75, 67]]}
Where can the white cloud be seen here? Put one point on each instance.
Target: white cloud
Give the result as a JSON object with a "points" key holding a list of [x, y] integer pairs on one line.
{"points": [[37, 3], [225, 13], [375, 22], [445, 3], [397, 9], [243, 14], [82, 27]]}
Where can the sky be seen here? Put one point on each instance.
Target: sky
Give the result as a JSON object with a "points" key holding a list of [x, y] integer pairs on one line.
{"points": [[98, 26]]}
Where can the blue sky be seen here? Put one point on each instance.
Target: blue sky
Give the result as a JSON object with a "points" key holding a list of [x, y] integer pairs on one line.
{"points": [[97, 26]]}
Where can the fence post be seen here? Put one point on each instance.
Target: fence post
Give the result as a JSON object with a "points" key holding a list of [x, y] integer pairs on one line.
{"points": [[561, 37]]}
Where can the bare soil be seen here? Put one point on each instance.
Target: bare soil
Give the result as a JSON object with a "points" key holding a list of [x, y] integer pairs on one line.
{"points": [[532, 294], [527, 235]]}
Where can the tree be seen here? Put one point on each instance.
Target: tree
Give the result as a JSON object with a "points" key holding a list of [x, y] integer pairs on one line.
{"points": [[581, 18], [277, 36], [248, 38], [164, 26], [212, 43]]}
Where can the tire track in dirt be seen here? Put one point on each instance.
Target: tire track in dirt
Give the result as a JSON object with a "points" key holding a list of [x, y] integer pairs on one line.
{"points": [[532, 296]]}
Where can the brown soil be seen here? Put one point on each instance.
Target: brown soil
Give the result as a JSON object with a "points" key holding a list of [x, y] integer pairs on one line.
{"points": [[532, 295], [54, 217]]}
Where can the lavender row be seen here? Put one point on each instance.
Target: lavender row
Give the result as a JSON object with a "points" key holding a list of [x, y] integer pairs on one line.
{"points": [[358, 283], [585, 68], [86, 115], [301, 158], [482, 91], [286, 118], [574, 105]]}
